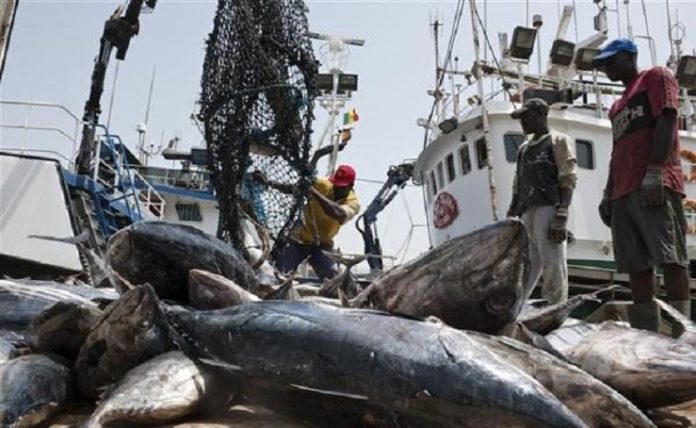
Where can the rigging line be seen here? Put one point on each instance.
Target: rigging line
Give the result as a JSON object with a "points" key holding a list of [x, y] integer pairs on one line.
{"points": [[669, 30], [453, 35], [647, 33], [458, 14], [506, 87]]}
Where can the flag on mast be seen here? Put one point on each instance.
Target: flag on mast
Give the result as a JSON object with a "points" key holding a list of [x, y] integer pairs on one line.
{"points": [[350, 117]]}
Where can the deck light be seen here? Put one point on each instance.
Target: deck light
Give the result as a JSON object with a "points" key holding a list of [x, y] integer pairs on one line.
{"points": [[686, 72], [448, 125], [346, 82], [562, 52], [522, 44], [584, 57]]}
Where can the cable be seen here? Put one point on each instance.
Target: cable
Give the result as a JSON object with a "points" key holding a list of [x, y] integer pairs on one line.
{"points": [[506, 86], [448, 58]]}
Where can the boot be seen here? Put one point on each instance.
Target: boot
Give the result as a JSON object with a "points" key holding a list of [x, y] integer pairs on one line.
{"points": [[683, 306], [644, 316]]}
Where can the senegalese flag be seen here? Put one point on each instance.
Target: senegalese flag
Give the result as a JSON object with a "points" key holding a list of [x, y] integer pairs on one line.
{"points": [[350, 117]]}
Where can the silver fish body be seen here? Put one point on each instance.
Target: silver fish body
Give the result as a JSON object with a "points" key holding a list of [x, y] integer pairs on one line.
{"points": [[649, 369], [33, 387], [472, 282], [597, 404], [159, 390], [22, 301], [343, 367]]}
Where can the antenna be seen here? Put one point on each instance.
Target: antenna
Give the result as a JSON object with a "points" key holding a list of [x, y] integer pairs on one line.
{"points": [[142, 127]]}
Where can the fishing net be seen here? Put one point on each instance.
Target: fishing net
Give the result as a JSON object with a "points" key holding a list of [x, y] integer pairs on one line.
{"points": [[256, 106]]}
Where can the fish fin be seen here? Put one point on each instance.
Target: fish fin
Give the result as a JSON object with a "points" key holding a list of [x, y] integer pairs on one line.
{"points": [[333, 393], [75, 240]]}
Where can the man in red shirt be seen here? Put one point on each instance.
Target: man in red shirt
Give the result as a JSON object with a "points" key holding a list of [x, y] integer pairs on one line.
{"points": [[642, 201]]}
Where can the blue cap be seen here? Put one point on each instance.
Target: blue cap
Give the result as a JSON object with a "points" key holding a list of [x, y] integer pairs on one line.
{"points": [[614, 47]]}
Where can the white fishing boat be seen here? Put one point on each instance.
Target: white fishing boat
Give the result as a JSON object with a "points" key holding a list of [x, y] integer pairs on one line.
{"points": [[468, 160]]}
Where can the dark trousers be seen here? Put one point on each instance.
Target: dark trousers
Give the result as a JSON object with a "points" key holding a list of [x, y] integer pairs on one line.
{"points": [[295, 253]]}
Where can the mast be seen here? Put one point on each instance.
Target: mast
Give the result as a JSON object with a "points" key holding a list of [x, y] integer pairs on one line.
{"points": [[484, 112], [8, 11], [436, 93]]}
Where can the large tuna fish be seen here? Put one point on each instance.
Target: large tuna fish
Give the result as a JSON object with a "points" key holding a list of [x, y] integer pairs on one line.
{"points": [[346, 367], [62, 328], [162, 254], [32, 388], [473, 282], [8, 350], [649, 369], [131, 330], [212, 291], [596, 403], [22, 301], [160, 390]]}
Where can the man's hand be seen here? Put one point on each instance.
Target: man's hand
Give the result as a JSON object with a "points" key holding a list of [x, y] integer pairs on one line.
{"points": [[557, 229], [652, 194], [259, 176], [605, 209]]}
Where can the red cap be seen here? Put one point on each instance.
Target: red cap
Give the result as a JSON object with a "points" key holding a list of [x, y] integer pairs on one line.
{"points": [[343, 177]]}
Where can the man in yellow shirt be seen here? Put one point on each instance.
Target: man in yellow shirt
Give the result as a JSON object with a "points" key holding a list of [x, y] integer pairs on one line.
{"points": [[332, 203]]}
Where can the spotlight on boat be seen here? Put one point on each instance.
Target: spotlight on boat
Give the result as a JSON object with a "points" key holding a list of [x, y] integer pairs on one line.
{"points": [[448, 125], [583, 58], [686, 72], [562, 52], [346, 82], [522, 44]]}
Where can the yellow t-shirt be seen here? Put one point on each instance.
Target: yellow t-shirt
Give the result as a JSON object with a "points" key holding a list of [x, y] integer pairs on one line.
{"points": [[319, 226]]}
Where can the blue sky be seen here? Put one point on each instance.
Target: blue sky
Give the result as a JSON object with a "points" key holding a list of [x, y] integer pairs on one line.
{"points": [[54, 43]]}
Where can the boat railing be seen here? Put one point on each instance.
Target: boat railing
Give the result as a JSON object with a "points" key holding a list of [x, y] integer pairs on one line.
{"points": [[113, 171], [185, 179], [27, 121]]}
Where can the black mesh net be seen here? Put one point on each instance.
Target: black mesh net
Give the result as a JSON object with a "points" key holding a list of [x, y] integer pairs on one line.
{"points": [[256, 105]]}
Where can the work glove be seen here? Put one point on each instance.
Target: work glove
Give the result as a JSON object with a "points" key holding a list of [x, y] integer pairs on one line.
{"points": [[652, 194], [605, 209], [557, 229]]}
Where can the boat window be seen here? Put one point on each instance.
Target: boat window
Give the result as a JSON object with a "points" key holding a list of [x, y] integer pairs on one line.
{"points": [[481, 152], [583, 154], [465, 159], [189, 212], [450, 167], [433, 184], [512, 142], [440, 175]]}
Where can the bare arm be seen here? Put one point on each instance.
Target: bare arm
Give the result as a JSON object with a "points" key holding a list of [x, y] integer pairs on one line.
{"points": [[331, 208], [663, 137], [320, 153]]}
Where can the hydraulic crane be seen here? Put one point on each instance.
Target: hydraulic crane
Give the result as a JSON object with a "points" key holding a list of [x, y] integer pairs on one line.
{"points": [[397, 177]]}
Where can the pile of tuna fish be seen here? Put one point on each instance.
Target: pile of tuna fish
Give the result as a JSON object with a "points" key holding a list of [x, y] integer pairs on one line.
{"points": [[446, 340]]}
